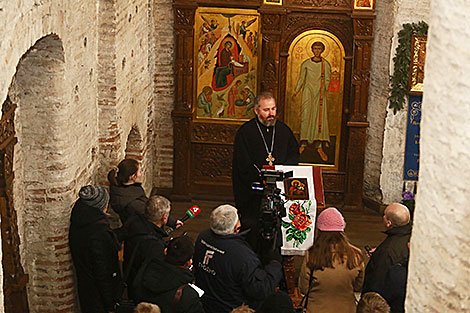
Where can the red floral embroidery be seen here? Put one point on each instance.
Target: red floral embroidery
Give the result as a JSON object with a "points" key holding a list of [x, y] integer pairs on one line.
{"points": [[294, 209], [301, 221]]}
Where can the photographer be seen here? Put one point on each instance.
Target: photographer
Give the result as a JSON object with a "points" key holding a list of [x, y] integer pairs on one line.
{"points": [[261, 141], [227, 269]]}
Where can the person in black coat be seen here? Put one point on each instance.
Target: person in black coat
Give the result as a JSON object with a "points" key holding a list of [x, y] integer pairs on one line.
{"points": [[94, 248], [168, 282], [125, 188], [227, 269], [146, 233], [395, 286], [277, 302], [127, 196], [392, 250], [261, 139]]}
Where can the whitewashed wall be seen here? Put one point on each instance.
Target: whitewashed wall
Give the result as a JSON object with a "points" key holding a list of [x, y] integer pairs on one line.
{"points": [[86, 104], [391, 178], [440, 246], [378, 97]]}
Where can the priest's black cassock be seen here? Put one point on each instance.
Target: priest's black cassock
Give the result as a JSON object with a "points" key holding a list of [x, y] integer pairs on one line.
{"points": [[249, 155]]}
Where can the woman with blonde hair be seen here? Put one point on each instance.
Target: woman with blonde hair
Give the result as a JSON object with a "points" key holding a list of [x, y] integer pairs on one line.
{"points": [[333, 269]]}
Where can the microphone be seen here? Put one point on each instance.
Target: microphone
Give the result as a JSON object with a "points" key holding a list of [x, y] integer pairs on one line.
{"points": [[192, 212]]}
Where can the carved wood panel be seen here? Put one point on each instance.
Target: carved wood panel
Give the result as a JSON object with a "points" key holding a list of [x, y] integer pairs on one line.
{"points": [[321, 3], [203, 148], [213, 133], [339, 25], [184, 17], [181, 155], [14, 278], [212, 163], [355, 165]]}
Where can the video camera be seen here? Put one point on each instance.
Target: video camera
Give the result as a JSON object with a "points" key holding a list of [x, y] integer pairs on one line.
{"points": [[272, 206]]}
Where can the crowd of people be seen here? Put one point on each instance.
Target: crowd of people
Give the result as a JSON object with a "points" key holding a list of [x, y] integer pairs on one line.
{"points": [[221, 271]]}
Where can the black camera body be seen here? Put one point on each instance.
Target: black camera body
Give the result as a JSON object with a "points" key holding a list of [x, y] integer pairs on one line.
{"points": [[272, 205]]}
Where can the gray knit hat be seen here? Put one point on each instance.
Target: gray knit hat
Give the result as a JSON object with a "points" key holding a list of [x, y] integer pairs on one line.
{"points": [[94, 196]]}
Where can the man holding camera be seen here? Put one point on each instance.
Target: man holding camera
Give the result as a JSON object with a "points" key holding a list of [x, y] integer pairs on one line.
{"points": [[227, 269], [261, 141]]}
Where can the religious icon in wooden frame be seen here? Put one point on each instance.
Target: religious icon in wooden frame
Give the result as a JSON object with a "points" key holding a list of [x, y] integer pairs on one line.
{"points": [[227, 49], [296, 188], [314, 96], [418, 56], [363, 4]]}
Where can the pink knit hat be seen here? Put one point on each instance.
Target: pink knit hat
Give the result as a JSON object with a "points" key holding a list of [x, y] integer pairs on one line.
{"points": [[330, 220]]}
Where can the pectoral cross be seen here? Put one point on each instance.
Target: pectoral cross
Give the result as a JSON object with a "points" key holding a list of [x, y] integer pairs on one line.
{"points": [[270, 159]]}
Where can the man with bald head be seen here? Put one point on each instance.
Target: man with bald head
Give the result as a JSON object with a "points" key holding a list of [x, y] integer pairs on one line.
{"points": [[392, 250]]}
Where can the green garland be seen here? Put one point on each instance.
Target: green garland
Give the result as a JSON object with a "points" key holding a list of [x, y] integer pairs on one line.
{"points": [[401, 61]]}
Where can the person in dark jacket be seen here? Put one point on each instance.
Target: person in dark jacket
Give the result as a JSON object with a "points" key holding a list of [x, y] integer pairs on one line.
{"points": [[94, 249], [395, 286], [227, 269], [146, 233], [125, 188], [277, 302], [392, 250], [168, 283], [127, 196]]}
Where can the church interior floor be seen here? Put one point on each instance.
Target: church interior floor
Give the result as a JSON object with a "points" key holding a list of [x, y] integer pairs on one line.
{"points": [[362, 228]]}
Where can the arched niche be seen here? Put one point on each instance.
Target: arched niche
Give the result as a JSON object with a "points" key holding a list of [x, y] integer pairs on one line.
{"points": [[37, 187], [135, 150], [314, 96]]}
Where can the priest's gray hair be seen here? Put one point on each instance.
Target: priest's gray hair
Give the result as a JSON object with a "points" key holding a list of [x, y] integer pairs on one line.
{"points": [[263, 95], [156, 207], [224, 218]]}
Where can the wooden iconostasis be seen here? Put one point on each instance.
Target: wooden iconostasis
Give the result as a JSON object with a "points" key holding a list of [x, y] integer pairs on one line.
{"points": [[228, 51]]}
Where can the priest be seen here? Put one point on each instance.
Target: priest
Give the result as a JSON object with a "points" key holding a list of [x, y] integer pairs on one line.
{"points": [[261, 141]]}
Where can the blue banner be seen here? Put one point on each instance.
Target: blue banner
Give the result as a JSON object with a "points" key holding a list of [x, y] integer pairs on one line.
{"points": [[412, 137]]}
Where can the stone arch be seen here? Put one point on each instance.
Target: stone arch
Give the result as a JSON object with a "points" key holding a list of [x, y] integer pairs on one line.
{"points": [[41, 190], [134, 147], [135, 150]]}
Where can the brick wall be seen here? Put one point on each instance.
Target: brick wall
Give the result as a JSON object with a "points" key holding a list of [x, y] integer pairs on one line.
{"points": [[126, 90], [42, 183], [164, 89], [56, 130], [82, 94]]}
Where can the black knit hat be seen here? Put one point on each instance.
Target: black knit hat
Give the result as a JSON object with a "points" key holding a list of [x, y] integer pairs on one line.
{"points": [[180, 250], [94, 196]]}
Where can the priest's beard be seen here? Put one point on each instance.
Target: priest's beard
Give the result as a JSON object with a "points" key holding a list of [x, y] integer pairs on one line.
{"points": [[267, 123]]}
